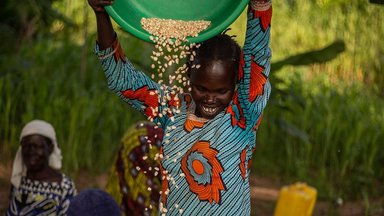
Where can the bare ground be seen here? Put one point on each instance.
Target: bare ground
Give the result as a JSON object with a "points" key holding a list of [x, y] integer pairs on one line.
{"points": [[264, 194]]}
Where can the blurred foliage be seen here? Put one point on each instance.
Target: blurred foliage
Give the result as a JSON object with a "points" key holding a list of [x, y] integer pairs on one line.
{"points": [[323, 120], [20, 21]]}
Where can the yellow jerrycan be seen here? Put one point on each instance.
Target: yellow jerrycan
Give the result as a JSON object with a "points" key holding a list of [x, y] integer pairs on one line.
{"points": [[296, 200]]}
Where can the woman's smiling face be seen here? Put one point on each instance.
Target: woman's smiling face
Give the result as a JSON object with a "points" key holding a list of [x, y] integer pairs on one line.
{"points": [[35, 151], [212, 87]]}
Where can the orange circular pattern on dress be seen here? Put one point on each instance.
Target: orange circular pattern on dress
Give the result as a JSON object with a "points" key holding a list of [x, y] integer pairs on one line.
{"points": [[198, 167], [211, 190]]}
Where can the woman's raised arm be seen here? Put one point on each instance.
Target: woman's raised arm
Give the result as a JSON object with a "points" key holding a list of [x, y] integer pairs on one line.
{"points": [[105, 32]]}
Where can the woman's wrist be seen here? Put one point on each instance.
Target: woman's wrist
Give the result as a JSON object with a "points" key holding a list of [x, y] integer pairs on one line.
{"points": [[99, 9], [260, 5], [261, 1], [101, 14]]}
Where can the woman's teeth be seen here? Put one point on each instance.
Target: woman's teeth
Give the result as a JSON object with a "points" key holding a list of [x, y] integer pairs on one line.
{"points": [[209, 110]]}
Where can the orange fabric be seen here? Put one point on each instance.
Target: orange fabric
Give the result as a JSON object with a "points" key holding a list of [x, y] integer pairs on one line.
{"points": [[174, 102], [209, 191], [264, 16], [239, 122], [189, 125], [148, 97], [258, 80], [241, 66], [258, 122], [243, 155], [198, 167], [187, 99]]}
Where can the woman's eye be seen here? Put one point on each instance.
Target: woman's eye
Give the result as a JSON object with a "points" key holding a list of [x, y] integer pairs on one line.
{"points": [[199, 88]]}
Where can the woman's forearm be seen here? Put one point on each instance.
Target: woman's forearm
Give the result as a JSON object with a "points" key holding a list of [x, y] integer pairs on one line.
{"points": [[105, 31]]}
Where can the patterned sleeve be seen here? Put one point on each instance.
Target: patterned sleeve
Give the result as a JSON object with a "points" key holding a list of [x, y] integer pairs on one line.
{"points": [[253, 84], [133, 86], [69, 192]]}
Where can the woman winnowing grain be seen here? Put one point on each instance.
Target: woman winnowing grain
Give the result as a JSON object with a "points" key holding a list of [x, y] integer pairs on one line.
{"points": [[210, 132]]}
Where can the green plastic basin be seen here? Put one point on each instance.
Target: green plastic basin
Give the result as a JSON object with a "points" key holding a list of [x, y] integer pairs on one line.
{"points": [[221, 13]]}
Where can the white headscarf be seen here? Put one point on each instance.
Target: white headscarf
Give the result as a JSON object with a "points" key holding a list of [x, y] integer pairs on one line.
{"points": [[38, 127]]}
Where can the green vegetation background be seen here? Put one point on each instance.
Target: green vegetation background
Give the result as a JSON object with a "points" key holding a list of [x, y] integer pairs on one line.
{"points": [[324, 124]]}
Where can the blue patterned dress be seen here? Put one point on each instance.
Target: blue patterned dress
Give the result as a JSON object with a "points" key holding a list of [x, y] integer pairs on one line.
{"points": [[205, 163], [41, 198]]}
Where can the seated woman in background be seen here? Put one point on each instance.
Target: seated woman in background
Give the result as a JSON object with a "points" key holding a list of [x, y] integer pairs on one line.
{"points": [[38, 186], [136, 169]]}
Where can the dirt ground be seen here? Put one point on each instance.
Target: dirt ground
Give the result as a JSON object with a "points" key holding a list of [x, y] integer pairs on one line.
{"points": [[264, 194]]}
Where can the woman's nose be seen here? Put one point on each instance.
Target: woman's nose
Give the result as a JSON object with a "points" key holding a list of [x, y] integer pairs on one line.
{"points": [[210, 98]]}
